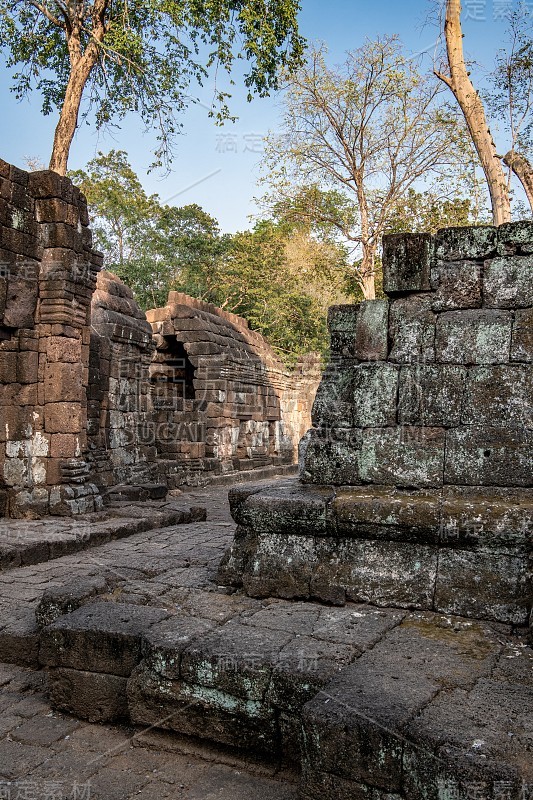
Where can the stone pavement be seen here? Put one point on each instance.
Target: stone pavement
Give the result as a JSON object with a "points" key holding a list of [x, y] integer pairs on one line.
{"points": [[380, 704], [45, 755]]}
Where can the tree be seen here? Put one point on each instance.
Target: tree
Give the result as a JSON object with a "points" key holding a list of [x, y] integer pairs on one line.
{"points": [[142, 57], [145, 243], [424, 212], [511, 98], [356, 139], [280, 279]]}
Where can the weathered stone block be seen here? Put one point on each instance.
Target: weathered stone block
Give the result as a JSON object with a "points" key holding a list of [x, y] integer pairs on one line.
{"points": [[292, 508], [63, 417], [508, 282], [499, 395], [431, 395], [503, 585], [332, 458], [411, 457], [99, 637], [201, 711], [488, 456], [492, 520], [457, 284], [336, 569], [385, 513], [407, 261], [522, 337], [93, 696], [479, 336], [412, 329], [455, 244], [333, 407], [375, 388], [371, 334], [515, 235]]}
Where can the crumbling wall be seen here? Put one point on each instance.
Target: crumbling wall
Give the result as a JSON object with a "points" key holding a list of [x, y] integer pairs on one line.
{"points": [[82, 404], [223, 401], [47, 275], [416, 478], [120, 422], [433, 387]]}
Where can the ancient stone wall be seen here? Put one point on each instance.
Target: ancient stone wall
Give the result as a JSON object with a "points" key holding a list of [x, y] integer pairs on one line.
{"points": [[416, 477], [82, 406], [223, 401], [47, 276], [120, 419]]}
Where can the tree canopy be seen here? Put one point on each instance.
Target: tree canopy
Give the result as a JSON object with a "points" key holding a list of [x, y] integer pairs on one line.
{"points": [[279, 276], [356, 138], [142, 57]]}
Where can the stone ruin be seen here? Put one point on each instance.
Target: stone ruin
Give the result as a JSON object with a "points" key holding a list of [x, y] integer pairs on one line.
{"points": [[374, 626], [223, 402], [95, 396], [369, 621], [416, 478]]}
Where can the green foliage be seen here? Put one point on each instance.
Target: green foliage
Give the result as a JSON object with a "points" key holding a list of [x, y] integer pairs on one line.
{"points": [[145, 243], [279, 276], [148, 54], [356, 139], [281, 281], [424, 212]]}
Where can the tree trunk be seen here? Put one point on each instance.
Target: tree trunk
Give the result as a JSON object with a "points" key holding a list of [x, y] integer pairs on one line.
{"points": [[474, 114], [368, 276], [367, 269], [80, 70], [523, 170]]}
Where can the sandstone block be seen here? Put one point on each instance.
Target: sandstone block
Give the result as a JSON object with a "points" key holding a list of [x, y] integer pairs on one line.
{"points": [[479, 336], [63, 417], [63, 348], [407, 262], [27, 367], [21, 302], [62, 382], [431, 395], [64, 445], [508, 282], [515, 236]]}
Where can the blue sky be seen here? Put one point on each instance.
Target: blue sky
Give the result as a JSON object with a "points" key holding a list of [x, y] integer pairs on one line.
{"points": [[218, 167]]}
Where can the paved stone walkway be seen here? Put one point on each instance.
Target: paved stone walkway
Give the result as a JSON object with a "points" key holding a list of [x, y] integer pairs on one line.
{"points": [[482, 675], [47, 756]]}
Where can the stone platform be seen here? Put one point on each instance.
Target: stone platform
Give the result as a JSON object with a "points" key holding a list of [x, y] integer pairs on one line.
{"points": [[459, 550], [370, 702]]}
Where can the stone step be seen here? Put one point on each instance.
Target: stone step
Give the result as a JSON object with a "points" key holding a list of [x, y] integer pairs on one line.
{"points": [[374, 703], [25, 542], [456, 550]]}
